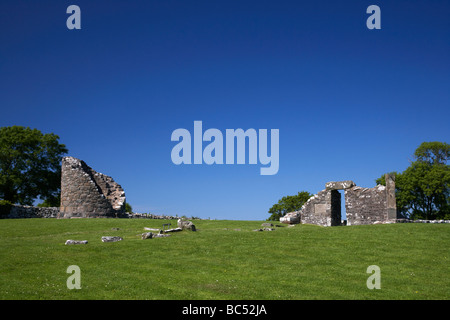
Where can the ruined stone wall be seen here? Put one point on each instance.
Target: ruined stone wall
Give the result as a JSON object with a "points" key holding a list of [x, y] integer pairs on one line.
{"points": [[111, 189], [317, 209], [323, 209], [365, 205], [87, 193], [391, 203]]}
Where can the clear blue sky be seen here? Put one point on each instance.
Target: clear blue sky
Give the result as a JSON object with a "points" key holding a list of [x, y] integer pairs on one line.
{"points": [[349, 102]]}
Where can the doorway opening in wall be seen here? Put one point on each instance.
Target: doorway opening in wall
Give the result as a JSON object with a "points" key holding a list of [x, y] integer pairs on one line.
{"points": [[336, 219], [343, 212]]}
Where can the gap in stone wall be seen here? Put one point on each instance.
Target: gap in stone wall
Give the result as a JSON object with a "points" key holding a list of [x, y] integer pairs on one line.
{"points": [[343, 211]]}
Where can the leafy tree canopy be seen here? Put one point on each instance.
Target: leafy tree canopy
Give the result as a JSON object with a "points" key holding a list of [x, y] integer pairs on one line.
{"points": [[433, 152], [288, 204], [128, 208], [30, 165], [423, 189]]}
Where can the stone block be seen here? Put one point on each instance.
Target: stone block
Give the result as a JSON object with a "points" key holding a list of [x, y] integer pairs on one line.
{"points": [[76, 242], [339, 185], [111, 239], [320, 208]]}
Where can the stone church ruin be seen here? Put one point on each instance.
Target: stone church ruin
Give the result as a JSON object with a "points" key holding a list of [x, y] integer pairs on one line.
{"points": [[362, 205], [86, 193]]}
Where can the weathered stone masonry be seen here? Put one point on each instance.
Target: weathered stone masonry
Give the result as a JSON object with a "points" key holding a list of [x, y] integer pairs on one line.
{"points": [[362, 205], [86, 193], [22, 212]]}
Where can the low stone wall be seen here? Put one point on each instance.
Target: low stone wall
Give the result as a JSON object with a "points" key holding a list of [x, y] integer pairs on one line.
{"points": [[21, 212], [149, 216], [420, 221]]}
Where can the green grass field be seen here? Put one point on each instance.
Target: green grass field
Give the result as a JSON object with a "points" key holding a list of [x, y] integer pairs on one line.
{"points": [[220, 262]]}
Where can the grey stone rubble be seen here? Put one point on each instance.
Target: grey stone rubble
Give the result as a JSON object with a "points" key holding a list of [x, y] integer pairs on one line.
{"points": [[147, 235], [185, 225], [267, 224], [182, 225], [111, 238], [76, 242], [161, 235], [172, 230], [291, 218], [150, 235], [265, 229]]}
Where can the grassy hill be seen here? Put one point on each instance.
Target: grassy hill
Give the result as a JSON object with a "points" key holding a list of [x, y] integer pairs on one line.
{"points": [[222, 260]]}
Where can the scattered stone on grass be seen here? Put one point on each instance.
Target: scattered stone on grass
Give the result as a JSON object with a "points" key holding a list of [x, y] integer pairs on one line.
{"points": [[111, 239], [186, 225], [151, 229], [265, 229], [76, 242], [161, 235], [150, 235], [173, 230], [147, 235]]}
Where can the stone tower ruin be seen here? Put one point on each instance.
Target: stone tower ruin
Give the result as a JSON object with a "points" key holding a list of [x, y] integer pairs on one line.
{"points": [[86, 193], [362, 205]]}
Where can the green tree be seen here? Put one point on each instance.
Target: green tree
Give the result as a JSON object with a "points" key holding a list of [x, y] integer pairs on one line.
{"points": [[128, 208], [288, 204], [51, 201], [30, 165], [426, 186], [423, 189], [433, 152]]}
